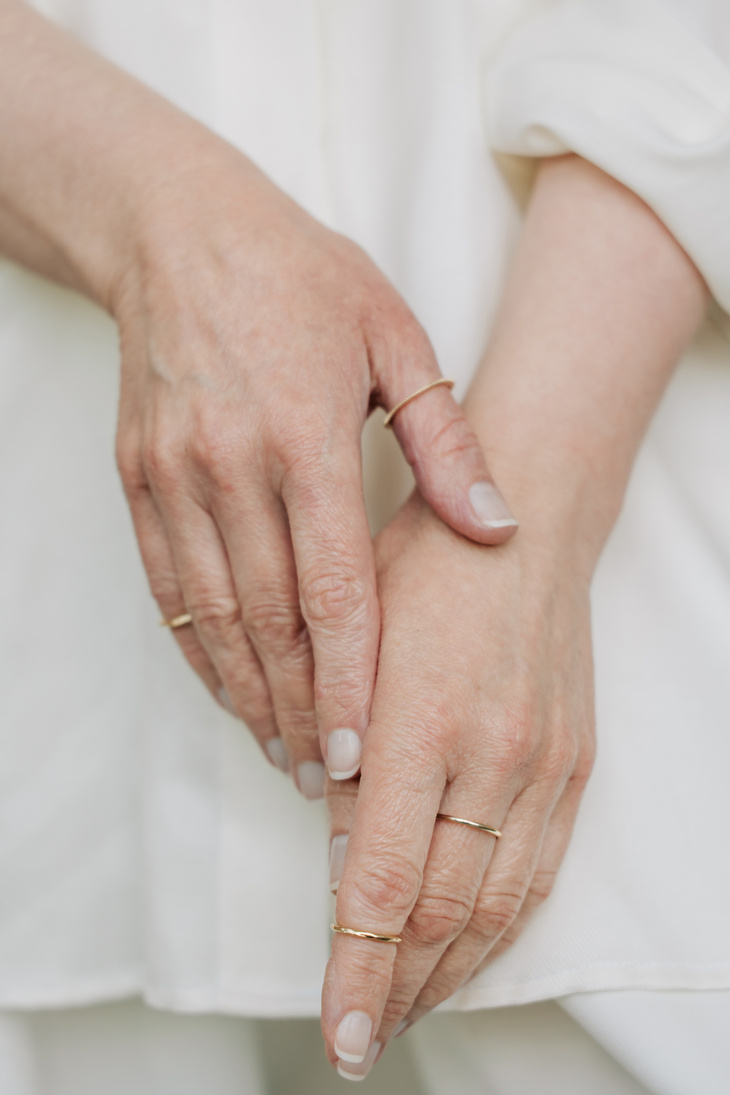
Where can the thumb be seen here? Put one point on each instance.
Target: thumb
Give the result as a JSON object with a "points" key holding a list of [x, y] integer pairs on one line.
{"points": [[448, 462]]}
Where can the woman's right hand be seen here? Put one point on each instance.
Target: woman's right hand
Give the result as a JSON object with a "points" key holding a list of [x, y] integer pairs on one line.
{"points": [[254, 344]]}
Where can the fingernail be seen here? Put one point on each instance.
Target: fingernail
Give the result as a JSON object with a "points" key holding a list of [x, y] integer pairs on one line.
{"points": [[311, 775], [277, 753], [403, 1025], [352, 1037], [359, 1072], [225, 701], [338, 847], [344, 749], [489, 506]]}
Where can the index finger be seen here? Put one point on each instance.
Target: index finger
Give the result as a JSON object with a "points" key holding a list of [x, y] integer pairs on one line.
{"points": [[387, 850], [338, 597]]}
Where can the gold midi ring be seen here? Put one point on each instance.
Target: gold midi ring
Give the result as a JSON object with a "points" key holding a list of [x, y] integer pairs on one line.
{"points": [[366, 935], [177, 621], [471, 824], [426, 388]]}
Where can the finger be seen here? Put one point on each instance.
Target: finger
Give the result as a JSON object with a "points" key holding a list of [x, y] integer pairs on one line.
{"points": [[457, 861], [502, 895], [159, 564], [441, 447], [259, 548], [210, 596], [337, 593], [554, 846], [397, 802], [341, 802]]}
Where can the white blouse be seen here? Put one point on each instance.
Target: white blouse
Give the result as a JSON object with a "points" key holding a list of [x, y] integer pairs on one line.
{"points": [[145, 847]]}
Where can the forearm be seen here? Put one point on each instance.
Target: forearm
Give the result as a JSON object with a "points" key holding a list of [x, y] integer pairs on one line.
{"points": [[83, 148], [600, 303]]}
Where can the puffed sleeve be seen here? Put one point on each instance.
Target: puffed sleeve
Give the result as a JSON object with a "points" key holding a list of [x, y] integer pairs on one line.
{"points": [[642, 89]]}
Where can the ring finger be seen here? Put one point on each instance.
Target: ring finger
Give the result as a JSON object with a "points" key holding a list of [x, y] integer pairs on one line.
{"points": [[503, 891]]}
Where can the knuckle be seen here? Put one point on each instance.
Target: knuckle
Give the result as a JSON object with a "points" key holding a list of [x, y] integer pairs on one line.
{"points": [[398, 1004], [130, 468], [541, 887], [161, 463], [495, 913], [516, 741], [298, 443], [273, 620], [438, 919], [384, 887], [165, 589], [218, 618], [562, 758], [333, 596], [453, 437], [216, 452]]}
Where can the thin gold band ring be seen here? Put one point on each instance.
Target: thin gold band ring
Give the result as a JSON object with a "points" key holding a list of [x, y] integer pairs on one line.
{"points": [[177, 621], [366, 935], [426, 388], [471, 824]]}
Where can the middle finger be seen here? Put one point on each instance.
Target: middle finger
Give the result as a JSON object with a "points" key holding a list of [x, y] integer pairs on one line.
{"points": [[258, 543]]}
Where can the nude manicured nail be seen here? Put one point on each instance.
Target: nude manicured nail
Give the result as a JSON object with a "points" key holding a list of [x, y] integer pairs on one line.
{"points": [[352, 1037], [344, 750], [277, 753], [359, 1072], [403, 1025], [311, 775], [225, 701], [489, 506], [338, 847]]}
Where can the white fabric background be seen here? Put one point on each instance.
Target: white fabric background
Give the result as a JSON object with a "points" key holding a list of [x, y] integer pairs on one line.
{"points": [[137, 854]]}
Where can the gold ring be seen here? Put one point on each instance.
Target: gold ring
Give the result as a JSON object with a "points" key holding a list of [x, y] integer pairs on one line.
{"points": [[471, 824], [177, 621], [366, 935], [426, 388]]}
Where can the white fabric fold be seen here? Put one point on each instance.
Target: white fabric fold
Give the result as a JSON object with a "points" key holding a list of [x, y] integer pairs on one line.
{"points": [[639, 88]]}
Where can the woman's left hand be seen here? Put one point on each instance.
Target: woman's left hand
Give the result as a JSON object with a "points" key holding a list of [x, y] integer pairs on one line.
{"points": [[483, 710]]}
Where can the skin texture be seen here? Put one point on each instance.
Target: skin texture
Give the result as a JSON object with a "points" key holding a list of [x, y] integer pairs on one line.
{"points": [[254, 343], [483, 705]]}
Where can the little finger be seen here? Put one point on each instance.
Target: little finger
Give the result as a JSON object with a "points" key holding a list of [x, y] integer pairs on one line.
{"points": [[554, 846], [210, 596], [159, 565]]}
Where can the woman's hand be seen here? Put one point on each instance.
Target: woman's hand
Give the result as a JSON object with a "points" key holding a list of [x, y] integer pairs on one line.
{"points": [[254, 343], [483, 710], [483, 702]]}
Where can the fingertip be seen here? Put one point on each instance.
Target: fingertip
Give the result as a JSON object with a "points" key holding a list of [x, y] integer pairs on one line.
{"points": [[490, 508], [344, 750], [277, 754]]}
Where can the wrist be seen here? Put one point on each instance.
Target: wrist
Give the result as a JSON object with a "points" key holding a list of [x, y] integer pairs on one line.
{"points": [[565, 495]]}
